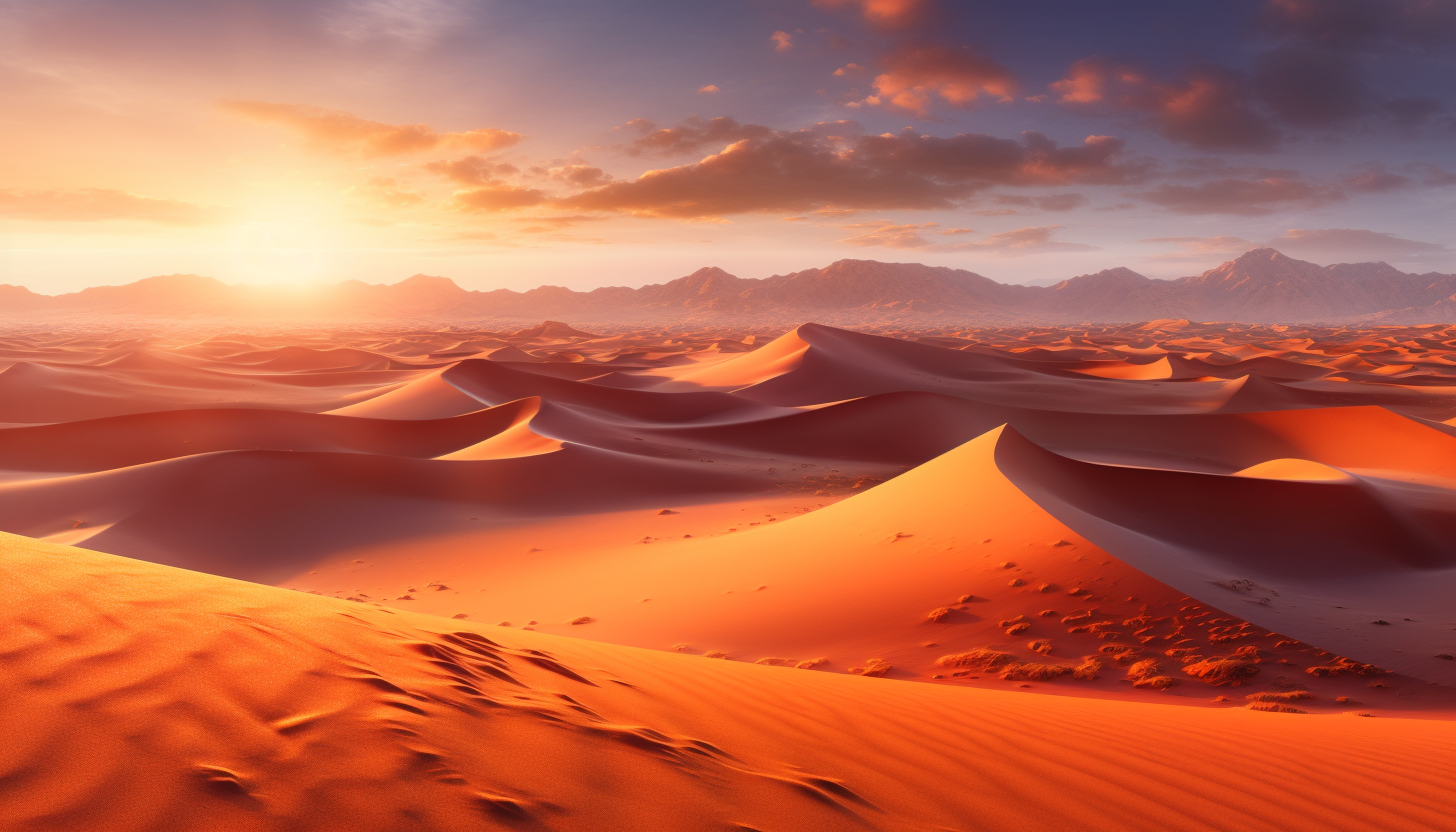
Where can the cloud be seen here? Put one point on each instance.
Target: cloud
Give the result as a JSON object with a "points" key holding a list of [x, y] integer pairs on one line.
{"points": [[497, 197], [1241, 197], [1375, 179], [709, 89], [1208, 107], [472, 170], [884, 14], [1310, 88], [1363, 25], [100, 204], [1351, 242], [335, 131], [848, 70], [579, 175], [915, 74], [1431, 176], [1036, 240], [691, 136], [1225, 245], [1051, 202], [385, 191], [783, 41], [888, 234], [794, 172]]}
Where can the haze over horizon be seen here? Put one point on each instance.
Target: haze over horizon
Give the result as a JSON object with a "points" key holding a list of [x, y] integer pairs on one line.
{"points": [[510, 145]]}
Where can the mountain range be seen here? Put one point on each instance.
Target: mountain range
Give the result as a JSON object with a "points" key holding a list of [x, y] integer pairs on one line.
{"points": [[1262, 286]]}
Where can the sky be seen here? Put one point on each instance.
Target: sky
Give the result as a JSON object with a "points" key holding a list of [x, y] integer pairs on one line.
{"points": [[514, 143]]}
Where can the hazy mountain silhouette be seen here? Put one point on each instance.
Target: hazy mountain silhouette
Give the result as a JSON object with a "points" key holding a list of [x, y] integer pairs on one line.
{"points": [[1260, 286]]}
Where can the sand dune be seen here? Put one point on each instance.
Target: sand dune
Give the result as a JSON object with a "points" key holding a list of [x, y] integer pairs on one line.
{"points": [[228, 706], [1085, 573]]}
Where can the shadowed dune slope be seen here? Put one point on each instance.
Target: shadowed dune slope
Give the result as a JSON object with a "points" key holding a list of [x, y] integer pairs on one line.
{"points": [[265, 515], [120, 441], [1322, 560], [159, 699]]}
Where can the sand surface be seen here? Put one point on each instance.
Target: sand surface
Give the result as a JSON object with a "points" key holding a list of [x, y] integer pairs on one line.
{"points": [[1174, 576]]}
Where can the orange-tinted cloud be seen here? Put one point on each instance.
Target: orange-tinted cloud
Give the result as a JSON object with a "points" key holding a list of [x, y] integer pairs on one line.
{"points": [[691, 136], [335, 131], [1037, 240], [783, 41], [99, 204], [472, 170], [884, 14], [582, 176], [793, 172], [1242, 197], [709, 89], [497, 197], [915, 75], [1208, 107], [888, 234]]}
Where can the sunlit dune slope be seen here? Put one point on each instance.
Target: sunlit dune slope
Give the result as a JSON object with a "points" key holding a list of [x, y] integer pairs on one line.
{"points": [[947, 558], [143, 697]]}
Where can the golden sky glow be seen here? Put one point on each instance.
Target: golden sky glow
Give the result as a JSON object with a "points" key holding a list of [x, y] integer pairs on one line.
{"points": [[500, 145]]}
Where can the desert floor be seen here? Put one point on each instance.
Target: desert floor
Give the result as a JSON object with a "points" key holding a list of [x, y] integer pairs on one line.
{"points": [[1165, 577]]}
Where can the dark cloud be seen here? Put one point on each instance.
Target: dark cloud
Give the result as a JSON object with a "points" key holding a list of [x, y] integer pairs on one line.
{"points": [[791, 172], [1209, 107], [99, 204], [1242, 197], [1311, 88], [1051, 202], [1363, 25], [1313, 73], [335, 131]]}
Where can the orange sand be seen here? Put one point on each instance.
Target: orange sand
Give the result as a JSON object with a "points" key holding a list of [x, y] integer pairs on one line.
{"points": [[1117, 578]]}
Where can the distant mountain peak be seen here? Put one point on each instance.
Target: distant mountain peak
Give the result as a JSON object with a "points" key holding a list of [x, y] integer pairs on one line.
{"points": [[429, 281], [1260, 255]]}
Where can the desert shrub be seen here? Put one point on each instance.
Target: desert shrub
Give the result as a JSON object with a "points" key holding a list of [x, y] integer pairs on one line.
{"points": [[1343, 665], [982, 658], [1224, 670], [1274, 707], [1280, 696]]}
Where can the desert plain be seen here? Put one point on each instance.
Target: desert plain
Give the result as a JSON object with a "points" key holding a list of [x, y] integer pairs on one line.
{"points": [[1128, 577]]}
